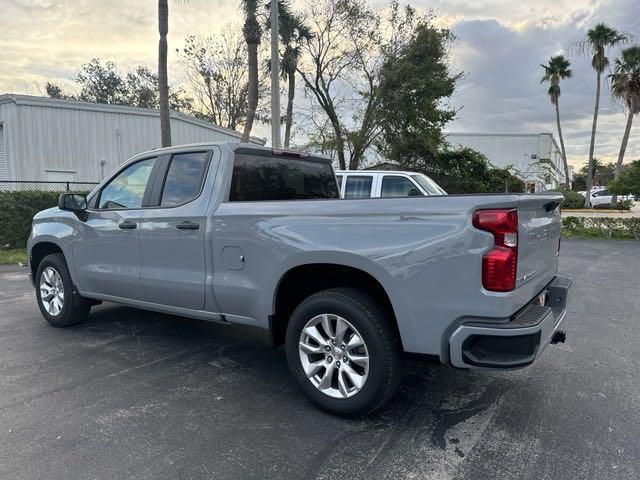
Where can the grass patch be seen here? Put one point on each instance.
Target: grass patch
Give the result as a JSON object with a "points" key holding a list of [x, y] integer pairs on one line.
{"points": [[13, 256]]}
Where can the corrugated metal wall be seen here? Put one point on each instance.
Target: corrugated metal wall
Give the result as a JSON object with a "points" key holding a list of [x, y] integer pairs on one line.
{"points": [[523, 152], [76, 143]]}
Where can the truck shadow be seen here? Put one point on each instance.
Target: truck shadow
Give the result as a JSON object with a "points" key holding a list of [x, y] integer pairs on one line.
{"points": [[436, 408]]}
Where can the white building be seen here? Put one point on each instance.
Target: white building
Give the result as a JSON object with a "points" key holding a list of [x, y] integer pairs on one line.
{"points": [[535, 158], [54, 140]]}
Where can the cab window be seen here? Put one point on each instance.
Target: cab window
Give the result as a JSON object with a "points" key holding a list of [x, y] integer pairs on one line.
{"points": [[397, 186], [184, 178], [126, 189], [358, 186]]}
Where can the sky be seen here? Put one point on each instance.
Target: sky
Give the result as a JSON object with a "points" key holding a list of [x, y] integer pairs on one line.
{"points": [[500, 45]]}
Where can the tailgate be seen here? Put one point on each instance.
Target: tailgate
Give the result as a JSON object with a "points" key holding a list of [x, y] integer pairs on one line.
{"points": [[538, 236]]}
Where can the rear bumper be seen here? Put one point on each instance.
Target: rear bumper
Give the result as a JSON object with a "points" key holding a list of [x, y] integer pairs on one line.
{"points": [[516, 343]]}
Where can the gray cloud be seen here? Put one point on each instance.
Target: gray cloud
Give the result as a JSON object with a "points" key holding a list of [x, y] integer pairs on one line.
{"points": [[501, 91], [500, 45]]}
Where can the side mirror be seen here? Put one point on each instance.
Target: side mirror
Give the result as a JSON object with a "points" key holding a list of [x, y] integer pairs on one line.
{"points": [[414, 192], [74, 202]]}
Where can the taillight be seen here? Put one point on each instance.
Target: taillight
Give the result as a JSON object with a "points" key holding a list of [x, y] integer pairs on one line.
{"points": [[500, 264]]}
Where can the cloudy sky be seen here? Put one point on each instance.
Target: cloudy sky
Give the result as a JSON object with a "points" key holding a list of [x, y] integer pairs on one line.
{"points": [[500, 45]]}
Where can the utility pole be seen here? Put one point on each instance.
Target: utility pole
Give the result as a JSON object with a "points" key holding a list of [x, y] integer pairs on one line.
{"points": [[275, 77]]}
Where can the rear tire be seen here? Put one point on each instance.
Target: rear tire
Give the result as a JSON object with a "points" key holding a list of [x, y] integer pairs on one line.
{"points": [[337, 377], [58, 303]]}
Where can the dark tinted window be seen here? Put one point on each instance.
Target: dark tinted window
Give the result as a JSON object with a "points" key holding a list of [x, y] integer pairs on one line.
{"points": [[395, 186], [270, 178], [339, 180], [358, 186], [184, 178], [126, 190]]}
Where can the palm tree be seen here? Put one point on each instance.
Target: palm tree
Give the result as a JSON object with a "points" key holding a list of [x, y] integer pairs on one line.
{"points": [[625, 87], [163, 80], [597, 40], [558, 69], [293, 33], [252, 31]]}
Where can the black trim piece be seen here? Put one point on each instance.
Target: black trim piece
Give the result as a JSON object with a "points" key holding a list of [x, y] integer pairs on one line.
{"points": [[127, 225], [497, 351], [188, 226], [156, 190], [268, 152]]}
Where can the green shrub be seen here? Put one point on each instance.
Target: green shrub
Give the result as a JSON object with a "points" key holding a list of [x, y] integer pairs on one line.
{"points": [[572, 199], [16, 213], [621, 205], [597, 227]]}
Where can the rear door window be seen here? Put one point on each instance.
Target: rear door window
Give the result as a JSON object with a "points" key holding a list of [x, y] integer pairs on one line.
{"points": [[397, 186], [258, 177], [358, 186], [185, 175]]}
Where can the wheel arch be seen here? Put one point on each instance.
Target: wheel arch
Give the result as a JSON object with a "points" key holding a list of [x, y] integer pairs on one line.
{"points": [[39, 250], [302, 280]]}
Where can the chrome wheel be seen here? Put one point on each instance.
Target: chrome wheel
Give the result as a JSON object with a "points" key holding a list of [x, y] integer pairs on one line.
{"points": [[334, 356], [51, 291]]}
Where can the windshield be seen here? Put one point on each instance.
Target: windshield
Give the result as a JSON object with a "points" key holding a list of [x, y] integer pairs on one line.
{"points": [[429, 186]]}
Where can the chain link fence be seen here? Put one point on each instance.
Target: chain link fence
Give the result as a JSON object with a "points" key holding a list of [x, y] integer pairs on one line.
{"points": [[45, 186]]}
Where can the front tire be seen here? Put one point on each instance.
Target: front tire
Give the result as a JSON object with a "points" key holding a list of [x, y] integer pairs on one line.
{"points": [[59, 306], [343, 352]]}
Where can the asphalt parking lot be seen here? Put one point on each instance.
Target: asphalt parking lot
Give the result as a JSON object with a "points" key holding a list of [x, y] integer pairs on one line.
{"points": [[134, 394]]}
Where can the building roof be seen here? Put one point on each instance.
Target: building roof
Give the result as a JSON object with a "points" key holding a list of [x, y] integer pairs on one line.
{"points": [[496, 134], [35, 101]]}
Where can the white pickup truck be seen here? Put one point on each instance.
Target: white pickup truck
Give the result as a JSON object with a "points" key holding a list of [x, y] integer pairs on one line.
{"points": [[236, 233]]}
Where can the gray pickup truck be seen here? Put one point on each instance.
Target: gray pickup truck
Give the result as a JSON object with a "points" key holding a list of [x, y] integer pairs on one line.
{"points": [[236, 233]]}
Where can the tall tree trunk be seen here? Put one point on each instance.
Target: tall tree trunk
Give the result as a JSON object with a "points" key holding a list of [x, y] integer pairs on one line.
{"points": [[163, 82], [339, 142], [587, 197], [567, 182], [623, 149], [289, 120], [252, 101]]}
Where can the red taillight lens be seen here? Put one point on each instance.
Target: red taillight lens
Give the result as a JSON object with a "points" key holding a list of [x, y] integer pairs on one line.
{"points": [[500, 264]]}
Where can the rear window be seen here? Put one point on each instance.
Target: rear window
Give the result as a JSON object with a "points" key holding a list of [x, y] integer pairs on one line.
{"points": [[269, 178]]}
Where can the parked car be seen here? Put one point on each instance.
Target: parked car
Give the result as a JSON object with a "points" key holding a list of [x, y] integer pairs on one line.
{"points": [[235, 233], [384, 183], [603, 196]]}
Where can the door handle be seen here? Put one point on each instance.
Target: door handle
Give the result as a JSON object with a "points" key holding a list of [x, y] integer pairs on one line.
{"points": [[127, 225], [188, 226]]}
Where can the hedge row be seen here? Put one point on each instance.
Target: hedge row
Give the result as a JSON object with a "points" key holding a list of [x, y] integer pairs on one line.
{"points": [[16, 212], [595, 227]]}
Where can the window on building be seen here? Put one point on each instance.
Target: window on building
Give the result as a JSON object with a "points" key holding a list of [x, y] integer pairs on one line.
{"points": [[184, 178], [126, 190], [4, 170], [358, 186]]}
